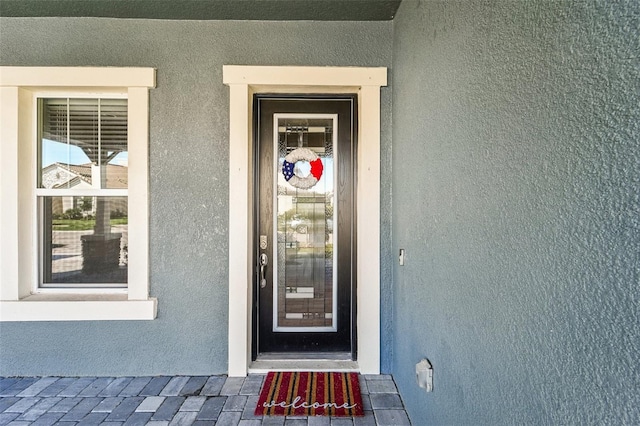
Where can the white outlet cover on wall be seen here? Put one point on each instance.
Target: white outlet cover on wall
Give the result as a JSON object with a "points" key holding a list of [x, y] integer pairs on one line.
{"points": [[424, 375]]}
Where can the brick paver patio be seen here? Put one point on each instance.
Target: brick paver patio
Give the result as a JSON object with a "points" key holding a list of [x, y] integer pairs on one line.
{"points": [[178, 400]]}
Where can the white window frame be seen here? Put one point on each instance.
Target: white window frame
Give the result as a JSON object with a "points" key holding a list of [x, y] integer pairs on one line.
{"points": [[20, 297]]}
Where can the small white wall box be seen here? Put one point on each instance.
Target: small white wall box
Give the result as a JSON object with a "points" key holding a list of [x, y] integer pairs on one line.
{"points": [[424, 375]]}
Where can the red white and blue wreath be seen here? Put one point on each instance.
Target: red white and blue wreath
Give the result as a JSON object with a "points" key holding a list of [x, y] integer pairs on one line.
{"points": [[302, 154]]}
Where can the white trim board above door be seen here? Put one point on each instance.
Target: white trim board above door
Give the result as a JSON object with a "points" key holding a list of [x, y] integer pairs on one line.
{"points": [[244, 82]]}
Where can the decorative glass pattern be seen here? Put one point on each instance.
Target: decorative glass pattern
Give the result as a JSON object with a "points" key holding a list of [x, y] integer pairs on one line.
{"points": [[304, 298]]}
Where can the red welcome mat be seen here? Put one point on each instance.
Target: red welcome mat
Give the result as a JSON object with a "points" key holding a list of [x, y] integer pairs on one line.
{"points": [[310, 394]]}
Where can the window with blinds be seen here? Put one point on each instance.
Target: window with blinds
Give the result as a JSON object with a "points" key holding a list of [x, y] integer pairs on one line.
{"points": [[82, 192], [84, 132]]}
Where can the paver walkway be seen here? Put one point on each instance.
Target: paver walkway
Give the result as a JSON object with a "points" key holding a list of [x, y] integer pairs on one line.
{"points": [[177, 400]]}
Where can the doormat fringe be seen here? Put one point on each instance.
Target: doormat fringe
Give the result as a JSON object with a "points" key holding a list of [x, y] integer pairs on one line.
{"points": [[310, 394]]}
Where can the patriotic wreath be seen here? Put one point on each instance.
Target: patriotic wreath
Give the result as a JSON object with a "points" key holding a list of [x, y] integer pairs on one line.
{"points": [[302, 154]]}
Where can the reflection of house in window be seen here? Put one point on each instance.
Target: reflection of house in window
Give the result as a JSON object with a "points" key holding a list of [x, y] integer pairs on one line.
{"points": [[85, 237], [59, 175]]}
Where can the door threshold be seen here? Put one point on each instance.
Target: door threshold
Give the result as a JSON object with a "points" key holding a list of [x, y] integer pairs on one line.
{"points": [[283, 356], [339, 362]]}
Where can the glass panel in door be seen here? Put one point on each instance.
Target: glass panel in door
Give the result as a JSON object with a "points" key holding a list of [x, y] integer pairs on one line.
{"points": [[305, 296]]}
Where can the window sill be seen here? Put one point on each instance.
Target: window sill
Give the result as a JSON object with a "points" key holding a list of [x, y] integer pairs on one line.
{"points": [[78, 307]]}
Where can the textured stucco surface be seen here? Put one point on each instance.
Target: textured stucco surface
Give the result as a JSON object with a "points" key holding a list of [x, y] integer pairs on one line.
{"points": [[516, 194], [188, 178]]}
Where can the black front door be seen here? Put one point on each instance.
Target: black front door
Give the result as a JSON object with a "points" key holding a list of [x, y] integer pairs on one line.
{"points": [[304, 240]]}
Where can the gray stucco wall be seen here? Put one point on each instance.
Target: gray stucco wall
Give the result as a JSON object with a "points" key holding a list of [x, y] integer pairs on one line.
{"points": [[189, 183], [516, 182]]}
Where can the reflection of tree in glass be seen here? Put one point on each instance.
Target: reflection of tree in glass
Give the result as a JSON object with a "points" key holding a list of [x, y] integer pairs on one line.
{"points": [[86, 204]]}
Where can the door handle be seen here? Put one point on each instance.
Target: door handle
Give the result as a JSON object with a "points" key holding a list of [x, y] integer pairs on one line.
{"points": [[264, 260]]}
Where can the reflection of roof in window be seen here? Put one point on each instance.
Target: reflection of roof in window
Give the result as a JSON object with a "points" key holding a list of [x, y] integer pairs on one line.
{"points": [[117, 176]]}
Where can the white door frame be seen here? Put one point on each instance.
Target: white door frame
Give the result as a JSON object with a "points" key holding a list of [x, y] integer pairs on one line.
{"points": [[244, 82]]}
